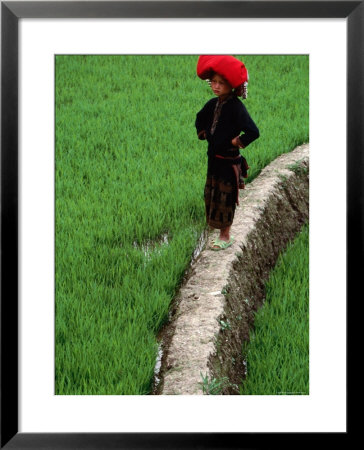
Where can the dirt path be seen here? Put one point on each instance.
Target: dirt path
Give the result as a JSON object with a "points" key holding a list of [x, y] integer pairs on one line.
{"points": [[215, 307]]}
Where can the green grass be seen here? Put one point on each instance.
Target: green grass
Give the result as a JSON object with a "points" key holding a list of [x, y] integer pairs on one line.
{"points": [[278, 354], [129, 174]]}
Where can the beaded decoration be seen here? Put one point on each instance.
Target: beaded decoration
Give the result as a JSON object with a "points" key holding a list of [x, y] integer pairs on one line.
{"points": [[245, 90]]}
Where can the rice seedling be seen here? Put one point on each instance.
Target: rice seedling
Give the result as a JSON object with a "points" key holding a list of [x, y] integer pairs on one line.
{"points": [[278, 353], [129, 175]]}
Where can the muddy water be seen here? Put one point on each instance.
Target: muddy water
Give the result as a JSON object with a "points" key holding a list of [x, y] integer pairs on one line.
{"points": [[200, 246], [158, 365], [150, 246]]}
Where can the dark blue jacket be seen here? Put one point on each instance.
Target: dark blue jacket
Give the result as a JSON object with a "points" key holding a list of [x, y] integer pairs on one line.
{"points": [[233, 120]]}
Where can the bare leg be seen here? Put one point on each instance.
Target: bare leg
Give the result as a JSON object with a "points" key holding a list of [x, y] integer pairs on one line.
{"points": [[225, 234]]}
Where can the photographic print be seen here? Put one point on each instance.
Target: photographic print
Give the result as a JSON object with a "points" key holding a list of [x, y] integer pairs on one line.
{"points": [[181, 224]]}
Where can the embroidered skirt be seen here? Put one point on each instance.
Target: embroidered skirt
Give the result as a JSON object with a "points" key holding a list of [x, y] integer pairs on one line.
{"points": [[221, 193]]}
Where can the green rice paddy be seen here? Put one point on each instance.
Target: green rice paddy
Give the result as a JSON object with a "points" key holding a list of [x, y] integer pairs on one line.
{"points": [[129, 174], [278, 354]]}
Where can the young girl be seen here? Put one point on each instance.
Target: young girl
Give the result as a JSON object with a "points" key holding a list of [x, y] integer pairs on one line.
{"points": [[220, 122]]}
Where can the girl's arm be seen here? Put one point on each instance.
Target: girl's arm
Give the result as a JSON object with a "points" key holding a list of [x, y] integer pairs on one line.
{"points": [[201, 122], [247, 125]]}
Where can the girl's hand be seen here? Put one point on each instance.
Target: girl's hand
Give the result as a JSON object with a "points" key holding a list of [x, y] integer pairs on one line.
{"points": [[235, 142], [202, 135]]}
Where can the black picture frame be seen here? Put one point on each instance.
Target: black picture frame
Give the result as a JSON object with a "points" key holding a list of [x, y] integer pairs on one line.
{"points": [[11, 12]]}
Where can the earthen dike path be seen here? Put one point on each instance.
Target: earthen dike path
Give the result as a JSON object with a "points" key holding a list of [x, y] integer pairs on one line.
{"points": [[214, 309]]}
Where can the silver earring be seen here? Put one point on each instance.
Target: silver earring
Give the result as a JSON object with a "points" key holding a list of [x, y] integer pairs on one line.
{"points": [[245, 90]]}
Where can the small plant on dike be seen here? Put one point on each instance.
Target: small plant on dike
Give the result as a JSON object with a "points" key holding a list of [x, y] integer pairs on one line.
{"points": [[298, 168], [224, 325], [215, 385]]}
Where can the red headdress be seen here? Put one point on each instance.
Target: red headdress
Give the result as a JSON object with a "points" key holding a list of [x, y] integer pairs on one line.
{"points": [[233, 70]]}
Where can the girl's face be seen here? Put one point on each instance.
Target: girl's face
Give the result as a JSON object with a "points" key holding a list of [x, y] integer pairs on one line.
{"points": [[220, 86]]}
